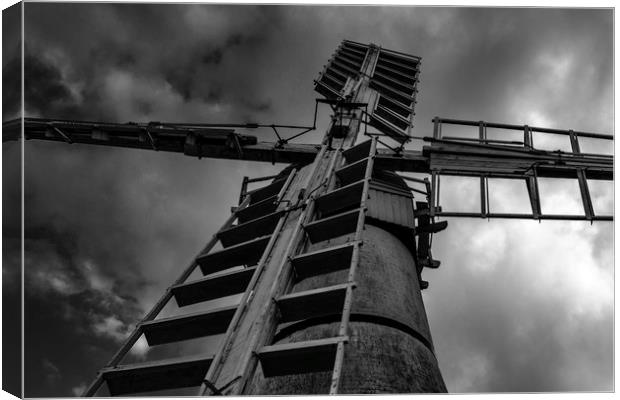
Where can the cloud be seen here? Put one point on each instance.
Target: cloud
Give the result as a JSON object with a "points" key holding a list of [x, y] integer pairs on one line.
{"points": [[52, 372], [525, 316], [78, 390], [111, 326]]}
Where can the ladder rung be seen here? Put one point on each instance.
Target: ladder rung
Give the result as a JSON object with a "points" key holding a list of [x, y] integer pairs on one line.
{"points": [[357, 152], [266, 191], [261, 226], [225, 284], [257, 210], [299, 357], [188, 326], [334, 226], [246, 253], [323, 261], [156, 375], [312, 303], [344, 197], [352, 172]]}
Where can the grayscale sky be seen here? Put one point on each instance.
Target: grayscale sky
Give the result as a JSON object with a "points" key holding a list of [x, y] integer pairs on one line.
{"points": [[515, 306]]}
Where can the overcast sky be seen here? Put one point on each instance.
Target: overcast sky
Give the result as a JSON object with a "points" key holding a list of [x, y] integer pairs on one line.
{"points": [[515, 305]]}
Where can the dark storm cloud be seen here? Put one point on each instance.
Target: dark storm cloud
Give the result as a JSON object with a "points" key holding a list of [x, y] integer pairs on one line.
{"points": [[44, 87], [11, 92], [66, 297], [137, 218], [159, 50]]}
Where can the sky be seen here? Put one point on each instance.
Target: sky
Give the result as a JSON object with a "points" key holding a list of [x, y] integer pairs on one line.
{"points": [[516, 306]]}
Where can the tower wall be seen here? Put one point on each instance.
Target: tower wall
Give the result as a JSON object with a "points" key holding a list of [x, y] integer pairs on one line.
{"points": [[390, 347]]}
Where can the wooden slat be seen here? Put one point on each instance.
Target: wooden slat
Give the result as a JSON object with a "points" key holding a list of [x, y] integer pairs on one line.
{"points": [[388, 128], [249, 230], [173, 329], [352, 172], [247, 253], [325, 90], [357, 152], [311, 303], [331, 227], [402, 58], [339, 199], [407, 70], [392, 117], [353, 64], [392, 82], [407, 79], [392, 92], [299, 357], [258, 210], [395, 121], [266, 191], [352, 54], [323, 261], [395, 106], [213, 287], [357, 51], [156, 375]]}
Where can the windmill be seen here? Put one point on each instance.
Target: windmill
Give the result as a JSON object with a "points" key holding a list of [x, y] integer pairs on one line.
{"points": [[326, 210]]}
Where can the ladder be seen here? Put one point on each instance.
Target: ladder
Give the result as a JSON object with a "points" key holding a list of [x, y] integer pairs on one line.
{"points": [[248, 243], [331, 214]]}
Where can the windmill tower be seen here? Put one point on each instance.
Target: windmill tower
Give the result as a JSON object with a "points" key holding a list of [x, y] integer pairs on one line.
{"points": [[329, 254]]}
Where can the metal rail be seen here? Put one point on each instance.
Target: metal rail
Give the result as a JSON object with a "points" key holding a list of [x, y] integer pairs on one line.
{"points": [[484, 158]]}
